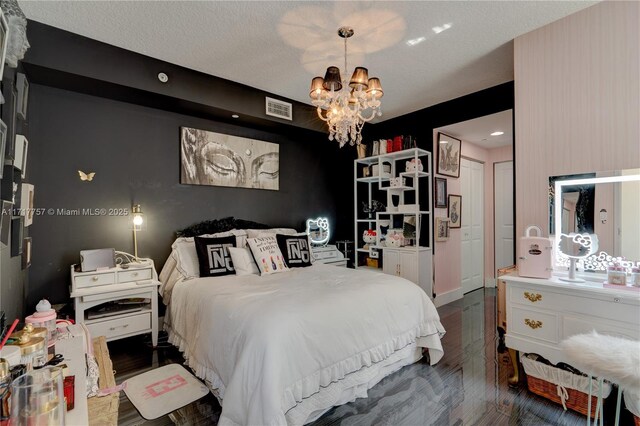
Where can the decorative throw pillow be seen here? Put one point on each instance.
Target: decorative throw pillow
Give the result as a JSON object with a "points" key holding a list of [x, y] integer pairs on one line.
{"points": [[213, 255], [267, 254], [295, 250], [243, 261], [253, 233]]}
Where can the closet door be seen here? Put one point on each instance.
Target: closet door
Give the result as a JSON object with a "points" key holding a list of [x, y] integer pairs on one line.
{"points": [[472, 225]]}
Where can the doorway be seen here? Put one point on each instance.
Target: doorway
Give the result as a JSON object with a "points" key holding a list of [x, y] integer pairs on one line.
{"points": [[503, 214], [472, 225]]}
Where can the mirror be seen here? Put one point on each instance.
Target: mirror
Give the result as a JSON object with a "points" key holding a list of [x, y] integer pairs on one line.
{"points": [[604, 205], [318, 231]]}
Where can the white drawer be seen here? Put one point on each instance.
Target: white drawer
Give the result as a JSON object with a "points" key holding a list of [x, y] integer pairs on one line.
{"points": [[606, 307], [121, 326], [572, 325], [535, 324], [83, 281], [134, 275]]}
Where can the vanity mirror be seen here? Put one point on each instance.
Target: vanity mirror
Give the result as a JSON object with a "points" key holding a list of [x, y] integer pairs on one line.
{"points": [[604, 206]]}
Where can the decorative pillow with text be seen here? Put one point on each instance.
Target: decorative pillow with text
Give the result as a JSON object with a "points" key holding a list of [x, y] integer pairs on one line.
{"points": [[267, 254], [295, 250], [213, 255]]}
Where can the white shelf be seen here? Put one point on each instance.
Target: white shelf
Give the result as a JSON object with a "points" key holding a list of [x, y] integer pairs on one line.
{"points": [[398, 188], [414, 262], [405, 154], [416, 174]]}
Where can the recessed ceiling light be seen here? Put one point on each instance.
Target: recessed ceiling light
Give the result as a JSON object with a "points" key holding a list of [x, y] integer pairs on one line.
{"points": [[498, 133], [444, 27], [415, 41], [235, 116]]}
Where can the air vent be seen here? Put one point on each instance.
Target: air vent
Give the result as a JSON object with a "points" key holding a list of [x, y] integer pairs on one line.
{"points": [[280, 109]]}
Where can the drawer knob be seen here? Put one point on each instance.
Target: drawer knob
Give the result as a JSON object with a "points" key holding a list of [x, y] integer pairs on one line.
{"points": [[94, 278], [532, 297], [135, 274], [533, 323]]}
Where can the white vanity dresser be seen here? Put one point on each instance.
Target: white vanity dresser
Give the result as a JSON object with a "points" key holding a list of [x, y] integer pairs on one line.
{"points": [[595, 223], [541, 313]]}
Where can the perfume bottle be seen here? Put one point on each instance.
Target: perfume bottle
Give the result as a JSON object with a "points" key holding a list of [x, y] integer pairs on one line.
{"points": [[273, 264]]}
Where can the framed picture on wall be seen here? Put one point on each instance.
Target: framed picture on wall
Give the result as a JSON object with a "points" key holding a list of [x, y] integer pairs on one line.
{"points": [[216, 159], [9, 117], [5, 222], [17, 236], [455, 211], [26, 253], [26, 203], [441, 192], [449, 150], [4, 40], [22, 84], [442, 229], [3, 145], [22, 149]]}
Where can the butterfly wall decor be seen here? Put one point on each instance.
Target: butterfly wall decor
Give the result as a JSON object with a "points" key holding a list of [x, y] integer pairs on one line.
{"points": [[86, 176]]}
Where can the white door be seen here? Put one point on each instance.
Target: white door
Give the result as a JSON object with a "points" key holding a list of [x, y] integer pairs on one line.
{"points": [[504, 237], [472, 224], [390, 262]]}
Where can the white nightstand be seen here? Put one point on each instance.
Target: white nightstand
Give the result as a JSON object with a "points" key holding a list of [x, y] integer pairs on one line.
{"points": [[330, 255], [138, 281]]}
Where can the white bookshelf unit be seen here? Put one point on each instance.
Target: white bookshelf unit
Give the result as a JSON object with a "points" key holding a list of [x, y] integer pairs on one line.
{"points": [[409, 200]]}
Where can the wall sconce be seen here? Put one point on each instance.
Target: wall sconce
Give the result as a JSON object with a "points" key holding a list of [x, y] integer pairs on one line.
{"points": [[138, 221]]}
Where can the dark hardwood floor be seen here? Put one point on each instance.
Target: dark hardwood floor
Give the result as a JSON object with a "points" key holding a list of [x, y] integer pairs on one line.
{"points": [[467, 387]]}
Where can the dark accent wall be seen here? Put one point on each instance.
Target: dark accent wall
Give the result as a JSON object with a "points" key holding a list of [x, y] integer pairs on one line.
{"points": [[98, 108], [134, 151]]}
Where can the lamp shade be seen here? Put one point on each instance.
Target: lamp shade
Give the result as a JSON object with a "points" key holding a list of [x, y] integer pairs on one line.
{"points": [[359, 79], [375, 88], [317, 88], [332, 79]]}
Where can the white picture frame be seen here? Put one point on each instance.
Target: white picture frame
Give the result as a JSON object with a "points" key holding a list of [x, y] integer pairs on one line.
{"points": [[26, 203], [22, 84], [20, 160], [4, 40]]}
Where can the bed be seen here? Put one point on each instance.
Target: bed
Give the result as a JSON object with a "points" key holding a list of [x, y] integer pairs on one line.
{"points": [[284, 348]]}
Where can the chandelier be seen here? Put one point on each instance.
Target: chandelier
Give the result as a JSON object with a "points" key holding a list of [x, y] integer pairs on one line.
{"points": [[346, 107]]}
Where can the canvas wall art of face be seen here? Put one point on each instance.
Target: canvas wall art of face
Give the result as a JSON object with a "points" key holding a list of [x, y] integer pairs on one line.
{"points": [[209, 158]]}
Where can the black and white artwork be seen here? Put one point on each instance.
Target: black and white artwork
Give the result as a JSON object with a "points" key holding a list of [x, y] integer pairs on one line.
{"points": [[449, 150], [215, 159]]}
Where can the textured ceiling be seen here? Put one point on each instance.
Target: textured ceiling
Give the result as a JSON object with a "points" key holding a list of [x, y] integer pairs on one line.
{"points": [[280, 46], [478, 130]]}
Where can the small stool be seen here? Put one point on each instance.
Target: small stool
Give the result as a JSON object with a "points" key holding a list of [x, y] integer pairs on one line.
{"points": [[609, 358]]}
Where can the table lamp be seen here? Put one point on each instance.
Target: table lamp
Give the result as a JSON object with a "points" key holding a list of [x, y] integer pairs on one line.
{"points": [[138, 220]]}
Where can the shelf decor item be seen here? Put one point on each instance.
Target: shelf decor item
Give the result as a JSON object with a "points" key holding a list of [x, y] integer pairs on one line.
{"points": [[449, 150], [455, 211], [372, 208]]}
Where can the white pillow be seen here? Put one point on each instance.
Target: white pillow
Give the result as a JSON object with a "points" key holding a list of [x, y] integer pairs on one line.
{"points": [[253, 233], [243, 261], [267, 254], [187, 258]]}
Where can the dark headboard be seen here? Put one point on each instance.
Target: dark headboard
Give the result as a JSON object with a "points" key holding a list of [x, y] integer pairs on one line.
{"points": [[219, 225]]}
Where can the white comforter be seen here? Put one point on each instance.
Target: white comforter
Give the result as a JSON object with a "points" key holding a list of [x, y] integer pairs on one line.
{"points": [[268, 343]]}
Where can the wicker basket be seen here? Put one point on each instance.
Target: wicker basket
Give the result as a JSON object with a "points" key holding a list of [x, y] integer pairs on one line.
{"points": [[543, 379], [577, 401]]}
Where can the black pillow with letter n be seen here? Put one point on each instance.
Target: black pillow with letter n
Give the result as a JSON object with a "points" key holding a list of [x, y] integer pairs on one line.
{"points": [[295, 250], [213, 256]]}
